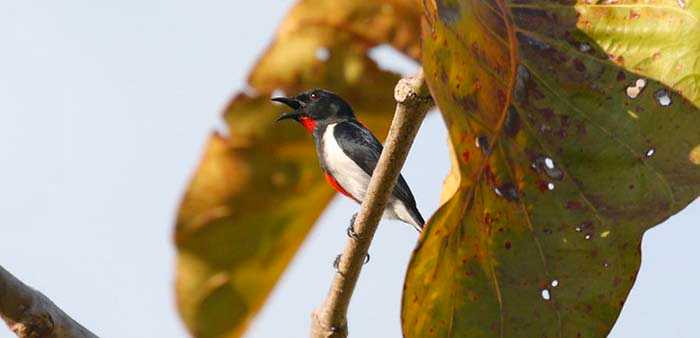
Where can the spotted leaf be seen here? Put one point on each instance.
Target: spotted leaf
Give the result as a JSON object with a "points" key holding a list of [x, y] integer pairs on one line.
{"points": [[574, 128]]}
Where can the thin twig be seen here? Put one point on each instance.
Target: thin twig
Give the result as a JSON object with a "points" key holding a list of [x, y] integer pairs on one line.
{"points": [[412, 103], [29, 313]]}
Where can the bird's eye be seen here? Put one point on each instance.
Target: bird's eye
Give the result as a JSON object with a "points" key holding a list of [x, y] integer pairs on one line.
{"points": [[313, 96]]}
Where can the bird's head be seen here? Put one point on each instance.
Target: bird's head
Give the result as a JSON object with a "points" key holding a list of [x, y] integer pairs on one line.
{"points": [[316, 107]]}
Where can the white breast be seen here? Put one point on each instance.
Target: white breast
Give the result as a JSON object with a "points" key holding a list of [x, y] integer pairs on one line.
{"points": [[348, 174], [354, 180]]}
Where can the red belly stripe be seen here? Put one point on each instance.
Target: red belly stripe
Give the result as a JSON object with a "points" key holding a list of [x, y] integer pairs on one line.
{"points": [[331, 180]]}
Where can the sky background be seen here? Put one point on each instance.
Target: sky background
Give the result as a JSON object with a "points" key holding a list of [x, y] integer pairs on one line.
{"points": [[104, 110]]}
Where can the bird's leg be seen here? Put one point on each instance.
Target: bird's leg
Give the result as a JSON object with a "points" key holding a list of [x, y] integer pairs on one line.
{"points": [[336, 262], [351, 229]]}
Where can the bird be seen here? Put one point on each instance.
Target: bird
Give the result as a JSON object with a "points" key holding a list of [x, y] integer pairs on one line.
{"points": [[347, 151]]}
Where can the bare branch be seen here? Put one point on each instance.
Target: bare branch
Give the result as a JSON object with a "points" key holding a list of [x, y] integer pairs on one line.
{"points": [[29, 313], [412, 103]]}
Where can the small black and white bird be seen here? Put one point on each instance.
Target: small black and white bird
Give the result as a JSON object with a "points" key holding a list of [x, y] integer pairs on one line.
{"points": [[347, 151]]}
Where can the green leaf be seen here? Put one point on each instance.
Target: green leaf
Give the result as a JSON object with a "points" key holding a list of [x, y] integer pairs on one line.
{"points": [[258, 190], [574, 127]]}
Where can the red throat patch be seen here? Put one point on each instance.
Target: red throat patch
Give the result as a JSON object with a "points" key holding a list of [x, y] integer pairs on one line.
{"points": [[308, 123], [331, 180]]}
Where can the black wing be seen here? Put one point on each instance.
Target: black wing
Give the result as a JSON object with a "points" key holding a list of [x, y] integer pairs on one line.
{"points": [[362, 147]]}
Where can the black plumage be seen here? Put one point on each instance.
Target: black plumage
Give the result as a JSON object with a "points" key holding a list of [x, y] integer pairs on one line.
{"points": [[359, 144]]}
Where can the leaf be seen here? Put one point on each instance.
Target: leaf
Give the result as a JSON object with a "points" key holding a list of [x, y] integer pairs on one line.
{"points": [[257, 192], [575, 129]]}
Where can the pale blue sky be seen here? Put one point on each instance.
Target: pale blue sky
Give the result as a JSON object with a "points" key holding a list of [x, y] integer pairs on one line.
{"points": [[104, 108]]}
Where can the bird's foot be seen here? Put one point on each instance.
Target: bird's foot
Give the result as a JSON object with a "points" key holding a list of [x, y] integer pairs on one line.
{"points": [[336, 262], [350, 231]]}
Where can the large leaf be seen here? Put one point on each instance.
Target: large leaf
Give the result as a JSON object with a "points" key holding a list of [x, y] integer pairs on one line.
{"points": [[575, 129], [257, 192]]}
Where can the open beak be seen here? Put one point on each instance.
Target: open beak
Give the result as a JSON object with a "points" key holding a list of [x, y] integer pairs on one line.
{"points": [[292, 103], [289, 115]]}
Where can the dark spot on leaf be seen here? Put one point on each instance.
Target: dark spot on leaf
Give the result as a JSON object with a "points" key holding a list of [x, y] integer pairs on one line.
{"points": [[616, 281], [448, 13], [482, 142], [531, 15], [520, 88], [621, 76], [508, 191], [488, 174], [501, 97], [512, 123], [586, 226], [535, 93], [578, 64], [508, 245], [528, 40], [547, 113], [573, 205], [618, 59], [469, 102], [465, 156], [581, 128], [561, 133], [565, 120]]}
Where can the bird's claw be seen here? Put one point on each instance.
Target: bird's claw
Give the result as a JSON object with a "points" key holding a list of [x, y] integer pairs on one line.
{"points": [[350, 231], [336, 262]]}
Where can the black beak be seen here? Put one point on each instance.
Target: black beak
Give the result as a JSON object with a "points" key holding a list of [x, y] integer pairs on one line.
{"points": [[292, 103]]}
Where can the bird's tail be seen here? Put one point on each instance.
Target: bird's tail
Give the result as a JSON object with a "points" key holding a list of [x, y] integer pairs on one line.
{"points": [[417, 220], [406, 212]]}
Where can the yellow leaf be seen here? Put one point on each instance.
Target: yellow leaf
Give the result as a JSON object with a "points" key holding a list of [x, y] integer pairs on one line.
{"points": [[258, 190]]}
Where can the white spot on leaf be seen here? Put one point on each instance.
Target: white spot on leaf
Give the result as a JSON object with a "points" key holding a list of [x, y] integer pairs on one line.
{"points": [[323, 54], [545, 294], [663, 98], [634, 90]]}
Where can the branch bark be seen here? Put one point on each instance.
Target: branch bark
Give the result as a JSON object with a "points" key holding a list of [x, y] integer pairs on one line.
{"points": [[412, 103], [29, 313]]}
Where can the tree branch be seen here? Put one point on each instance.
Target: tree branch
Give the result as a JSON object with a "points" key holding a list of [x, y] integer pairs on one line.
{"points": [[412, 103], [29, 313]]}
